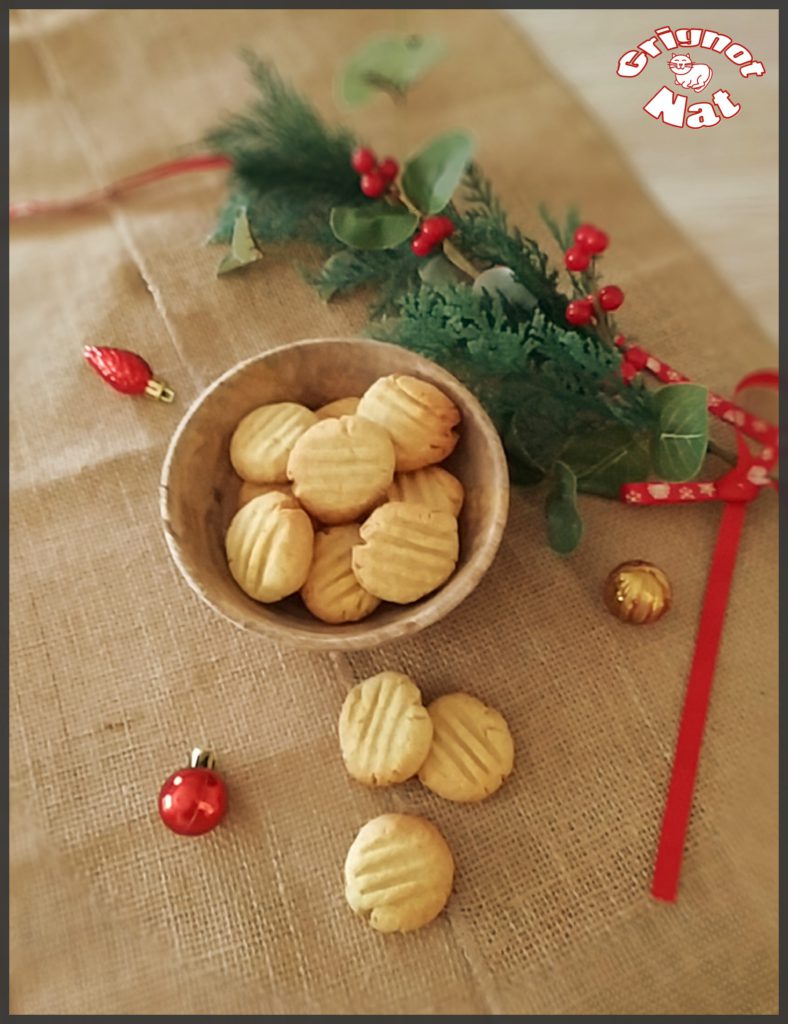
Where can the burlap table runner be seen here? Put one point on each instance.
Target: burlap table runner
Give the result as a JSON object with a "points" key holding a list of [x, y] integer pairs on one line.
{"points": [[117, 669]]}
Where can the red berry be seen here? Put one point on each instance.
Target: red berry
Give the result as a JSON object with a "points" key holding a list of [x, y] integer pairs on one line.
{"points": [[373, 184], [437, 228], [576, 258], [628, 371], [610, 297], [590, 238], [421, 245], [363, 161], [583, 233], [579, 312], [389, 168]]}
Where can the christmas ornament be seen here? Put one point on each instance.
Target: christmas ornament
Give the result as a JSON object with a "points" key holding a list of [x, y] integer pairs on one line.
{"points": [[126, 372], [193, 800], [638, 592]]}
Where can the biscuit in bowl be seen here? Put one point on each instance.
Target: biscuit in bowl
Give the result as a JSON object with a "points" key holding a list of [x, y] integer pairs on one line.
{"points": [[331, 592]]}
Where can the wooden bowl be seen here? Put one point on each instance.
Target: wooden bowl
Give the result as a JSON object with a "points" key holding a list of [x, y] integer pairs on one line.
{"points": [[199, 489]]}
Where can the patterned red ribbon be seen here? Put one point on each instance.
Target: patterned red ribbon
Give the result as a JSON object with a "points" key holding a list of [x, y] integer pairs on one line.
{"points": [[736, 489]]}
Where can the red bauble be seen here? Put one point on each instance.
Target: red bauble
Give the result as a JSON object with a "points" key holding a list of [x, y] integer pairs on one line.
{"points": [[389, 168], [610, 297], [437, 228], [421, 245], [373, 184], [126, 372], [193, 800], [579, 312], [576, 258], [363, 161]]}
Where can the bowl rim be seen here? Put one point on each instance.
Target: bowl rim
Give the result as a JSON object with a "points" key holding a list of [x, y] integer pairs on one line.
{"points": [[364, 634]]}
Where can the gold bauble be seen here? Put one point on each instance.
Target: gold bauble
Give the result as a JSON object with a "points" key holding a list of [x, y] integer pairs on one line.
{"points": [[638, 592]]}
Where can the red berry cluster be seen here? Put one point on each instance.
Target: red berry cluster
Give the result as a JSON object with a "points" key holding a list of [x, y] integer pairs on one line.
{"points": [[376, 178], [432, 232], [589, 241]]}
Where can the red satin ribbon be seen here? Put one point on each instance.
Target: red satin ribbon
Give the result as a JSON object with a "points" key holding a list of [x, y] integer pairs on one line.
{"points": [[36, 207], [738, 487]]}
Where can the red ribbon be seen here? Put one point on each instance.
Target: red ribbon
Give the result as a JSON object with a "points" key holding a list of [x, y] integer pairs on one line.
{"points": [[736, 488], [36, 207]]}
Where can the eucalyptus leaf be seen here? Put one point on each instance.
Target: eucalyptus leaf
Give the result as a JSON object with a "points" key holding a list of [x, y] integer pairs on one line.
{"points": [[373, 226], [438, 270], [678, 445], [603, 460], [534, 437], [431, 177], [564, 525], [502, 280], [390, 63], [243, 249]]}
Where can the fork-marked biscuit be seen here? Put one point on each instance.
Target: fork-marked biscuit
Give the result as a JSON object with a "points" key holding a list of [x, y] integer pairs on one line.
{"points": [[408, 551], [341, 407], [248, 491], [340, 467], [432, 486], [262, 441], [472, 750], [399, 872], [384, 730], [419, 417], [269, 547], [331, 592]]}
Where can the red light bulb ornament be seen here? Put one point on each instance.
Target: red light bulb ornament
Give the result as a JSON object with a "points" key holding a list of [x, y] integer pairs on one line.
{"points": [[193, 800], [126, 372]]}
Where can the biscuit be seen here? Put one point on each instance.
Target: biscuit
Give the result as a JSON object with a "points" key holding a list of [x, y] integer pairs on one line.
{"points": [[341, 407], [384, 730], [269, 547], [331, 592], [340, 467], [432, 486], [408, 551], [248, 490], [419, 417], [398, 872], [472, 749], [263, 440]]}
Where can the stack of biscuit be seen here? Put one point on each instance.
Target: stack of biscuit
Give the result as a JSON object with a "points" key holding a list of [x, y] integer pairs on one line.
{"points": [[347, 505]]}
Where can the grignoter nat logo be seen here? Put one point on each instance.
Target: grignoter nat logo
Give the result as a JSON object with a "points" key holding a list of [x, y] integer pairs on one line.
{"points": [[691, 74]]}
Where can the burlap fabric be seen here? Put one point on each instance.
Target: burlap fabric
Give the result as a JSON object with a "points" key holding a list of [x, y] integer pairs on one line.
{"points": [[117, 669]]}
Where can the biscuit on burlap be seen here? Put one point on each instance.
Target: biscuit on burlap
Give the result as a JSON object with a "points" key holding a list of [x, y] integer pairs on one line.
{"points": [[384, 730], [398, 872], [472, 750]]}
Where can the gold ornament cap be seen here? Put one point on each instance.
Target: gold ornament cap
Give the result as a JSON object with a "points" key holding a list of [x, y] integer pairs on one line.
{"points": [[638, 592], [157, 389]]}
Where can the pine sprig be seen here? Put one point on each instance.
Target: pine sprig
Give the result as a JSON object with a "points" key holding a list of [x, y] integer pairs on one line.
{"points": [[289, 167]]}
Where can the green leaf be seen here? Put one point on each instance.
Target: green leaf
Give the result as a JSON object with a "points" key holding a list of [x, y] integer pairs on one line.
{"points": [[603, 460], [678, 445], [243, 250], [534, 438], [430, 177], [375, 226], [564, 525], [438, 270], [390, 63]]}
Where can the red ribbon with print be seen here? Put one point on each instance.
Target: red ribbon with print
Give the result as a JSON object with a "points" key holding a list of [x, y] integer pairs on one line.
{"points": [[736, 488]]}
